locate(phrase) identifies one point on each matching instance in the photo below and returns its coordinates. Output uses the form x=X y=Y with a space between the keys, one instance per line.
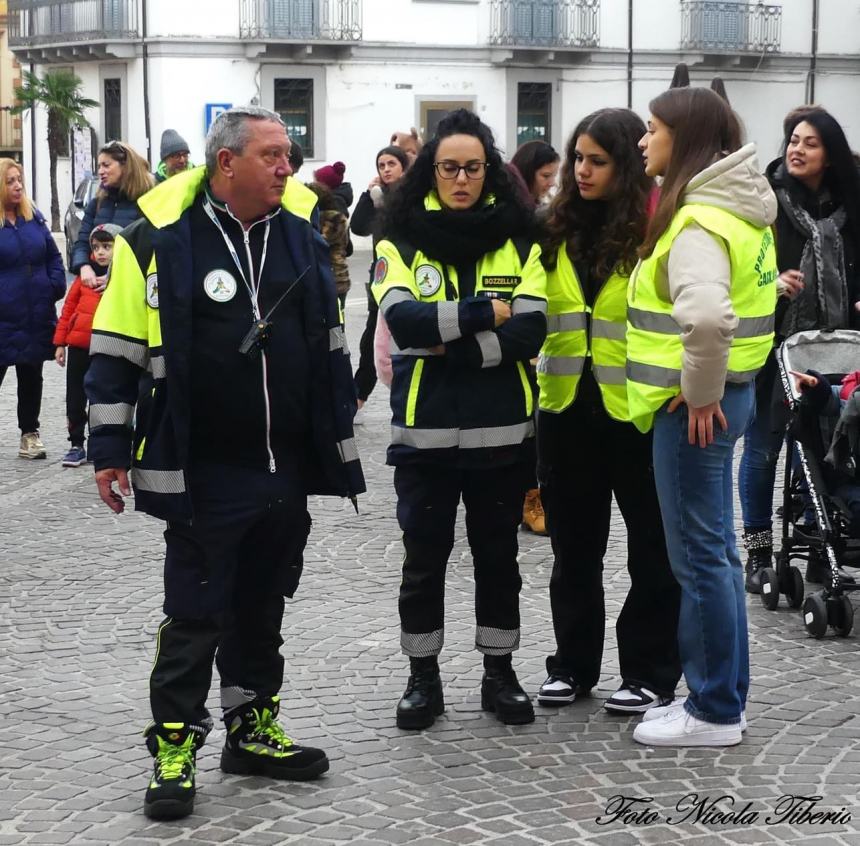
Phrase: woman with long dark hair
x=124 y=176
x=538 y=163
x=391 y=164
x=817 y=248
x=462 y=289
x=700 y=326
x=587 y=448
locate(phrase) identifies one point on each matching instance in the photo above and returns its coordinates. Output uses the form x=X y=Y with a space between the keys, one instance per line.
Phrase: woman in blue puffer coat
x=32 y=279
x=125 y=177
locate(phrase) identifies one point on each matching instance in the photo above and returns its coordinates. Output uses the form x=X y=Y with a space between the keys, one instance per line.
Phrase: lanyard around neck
x=253 y=287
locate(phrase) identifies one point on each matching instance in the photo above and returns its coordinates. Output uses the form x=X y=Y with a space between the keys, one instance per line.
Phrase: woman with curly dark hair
x=587 y=448
x=461 y=286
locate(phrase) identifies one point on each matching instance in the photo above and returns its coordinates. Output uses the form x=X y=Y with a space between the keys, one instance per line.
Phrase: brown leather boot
x=534 y=519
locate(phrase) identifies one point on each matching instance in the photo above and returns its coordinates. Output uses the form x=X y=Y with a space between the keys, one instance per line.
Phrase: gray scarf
x=823 y=302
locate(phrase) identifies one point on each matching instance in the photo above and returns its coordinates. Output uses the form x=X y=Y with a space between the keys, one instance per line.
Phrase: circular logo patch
x=428 y=279
x=220 y=286
x=152 y=290
x=380 y=270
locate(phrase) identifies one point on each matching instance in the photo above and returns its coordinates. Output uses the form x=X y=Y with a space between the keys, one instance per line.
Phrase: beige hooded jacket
x=696 y=275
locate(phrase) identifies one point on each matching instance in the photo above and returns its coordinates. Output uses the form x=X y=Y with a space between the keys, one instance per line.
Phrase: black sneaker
x=632 y=699
x=257 y=745
x=558 y=689
x=501 y=694
x=170 y=794
x=422 y=701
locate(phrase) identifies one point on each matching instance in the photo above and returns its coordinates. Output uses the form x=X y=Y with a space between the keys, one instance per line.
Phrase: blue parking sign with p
x=212 y=112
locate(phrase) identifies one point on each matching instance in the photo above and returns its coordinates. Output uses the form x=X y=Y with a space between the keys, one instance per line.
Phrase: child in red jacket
x=74 y=330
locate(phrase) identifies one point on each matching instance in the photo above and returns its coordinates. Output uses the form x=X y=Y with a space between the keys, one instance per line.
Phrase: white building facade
x=345 y=74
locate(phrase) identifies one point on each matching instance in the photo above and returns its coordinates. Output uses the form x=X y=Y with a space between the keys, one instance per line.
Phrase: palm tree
x=59 y=92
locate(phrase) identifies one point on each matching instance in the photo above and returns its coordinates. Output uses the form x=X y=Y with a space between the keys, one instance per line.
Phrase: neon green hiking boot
x=170 y=794
x=257 y=745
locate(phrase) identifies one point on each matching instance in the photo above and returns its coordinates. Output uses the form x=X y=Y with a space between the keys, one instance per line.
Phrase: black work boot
x=501 y=692
x=170 y=794
x=422 y=700
x=257 y=745
x=759 y=545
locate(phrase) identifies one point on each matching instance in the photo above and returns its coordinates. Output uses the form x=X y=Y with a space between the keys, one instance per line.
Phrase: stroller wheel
x=843 y=611
x=769 y=588
x=815 y=615
x=795 y=591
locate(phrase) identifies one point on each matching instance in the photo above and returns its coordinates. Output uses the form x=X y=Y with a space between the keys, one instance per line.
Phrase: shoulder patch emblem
x=380 y=270
x=152 y=290
x=220 y=285
x=428 y=279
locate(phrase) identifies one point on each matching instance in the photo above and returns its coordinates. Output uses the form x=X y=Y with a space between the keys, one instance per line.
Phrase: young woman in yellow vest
x=587 y=448
x=700 y=326
x=463 y=291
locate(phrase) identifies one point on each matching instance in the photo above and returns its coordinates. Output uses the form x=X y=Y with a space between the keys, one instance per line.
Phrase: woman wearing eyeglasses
x=124 y=176
x=462 y=289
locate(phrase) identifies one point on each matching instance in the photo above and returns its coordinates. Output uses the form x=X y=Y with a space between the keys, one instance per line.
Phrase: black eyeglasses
x=451 y=170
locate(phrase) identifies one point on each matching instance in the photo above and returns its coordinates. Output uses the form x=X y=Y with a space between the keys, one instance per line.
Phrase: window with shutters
x=534 y=101
x=294 y=18
x=294 y=102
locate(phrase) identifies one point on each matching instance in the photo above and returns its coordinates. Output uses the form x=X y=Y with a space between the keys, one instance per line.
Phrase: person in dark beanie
x=332 y=177
x=174 y=155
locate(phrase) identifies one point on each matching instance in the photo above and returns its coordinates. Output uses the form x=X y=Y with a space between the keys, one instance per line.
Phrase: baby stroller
x=832 y=353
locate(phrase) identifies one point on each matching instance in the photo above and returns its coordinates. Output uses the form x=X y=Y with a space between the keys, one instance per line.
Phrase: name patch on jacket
x=500 y=281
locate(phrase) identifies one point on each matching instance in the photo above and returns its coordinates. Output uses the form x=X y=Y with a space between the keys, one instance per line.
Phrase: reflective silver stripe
x=491 y=349
x=490 y=641
x=741 y=376
x=336 y=339
x=652 y=321
x=134 y=351
x=490 y=436
x=560 y=365
x=651 y=374
x=395 y=295
x=608 y=375
x=570 y=321
x=111 y=414
x=608 y=329
x=395 y=350
x=523 y=305
x=158 y=367
x=348 y=450
x=751 y=327
x=159 y=481
x=421 y=644
x=448 y=319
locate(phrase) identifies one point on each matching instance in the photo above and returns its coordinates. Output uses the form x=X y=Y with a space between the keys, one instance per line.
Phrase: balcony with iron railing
x=545 y=23
x=41 y=23
x=301 y=20
x=730 y=27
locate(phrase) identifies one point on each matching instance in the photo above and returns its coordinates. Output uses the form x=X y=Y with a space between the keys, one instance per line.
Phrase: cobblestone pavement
x=79 y=606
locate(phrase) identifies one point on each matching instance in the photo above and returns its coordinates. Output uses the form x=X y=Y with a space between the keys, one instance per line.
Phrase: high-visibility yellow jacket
x=576 y=331
x=654 y=346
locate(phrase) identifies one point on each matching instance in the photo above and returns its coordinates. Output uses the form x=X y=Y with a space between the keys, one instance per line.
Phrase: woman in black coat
x=124 y=177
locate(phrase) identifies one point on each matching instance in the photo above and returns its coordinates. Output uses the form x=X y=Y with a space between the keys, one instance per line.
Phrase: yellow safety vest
x=654 y=346
x=570 y=340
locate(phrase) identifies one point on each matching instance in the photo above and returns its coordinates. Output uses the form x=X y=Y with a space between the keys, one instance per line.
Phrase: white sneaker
x=678 y=728
x=678 y=705
x=31 y=446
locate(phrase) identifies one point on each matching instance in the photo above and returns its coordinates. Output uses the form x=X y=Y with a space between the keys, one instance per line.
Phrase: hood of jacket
x=737 y=185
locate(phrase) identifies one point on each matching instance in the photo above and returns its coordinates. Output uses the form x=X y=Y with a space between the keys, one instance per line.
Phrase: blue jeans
x=757 y=475
x=694 y=486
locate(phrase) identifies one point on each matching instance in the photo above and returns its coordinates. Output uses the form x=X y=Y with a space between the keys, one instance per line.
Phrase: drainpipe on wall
x=146 y=124
x=813 y=59
x=629 y=54
x=32 y=186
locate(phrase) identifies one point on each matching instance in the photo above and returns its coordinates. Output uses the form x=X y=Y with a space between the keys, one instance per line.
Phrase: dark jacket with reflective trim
x=473 y=405
x=144 y=322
